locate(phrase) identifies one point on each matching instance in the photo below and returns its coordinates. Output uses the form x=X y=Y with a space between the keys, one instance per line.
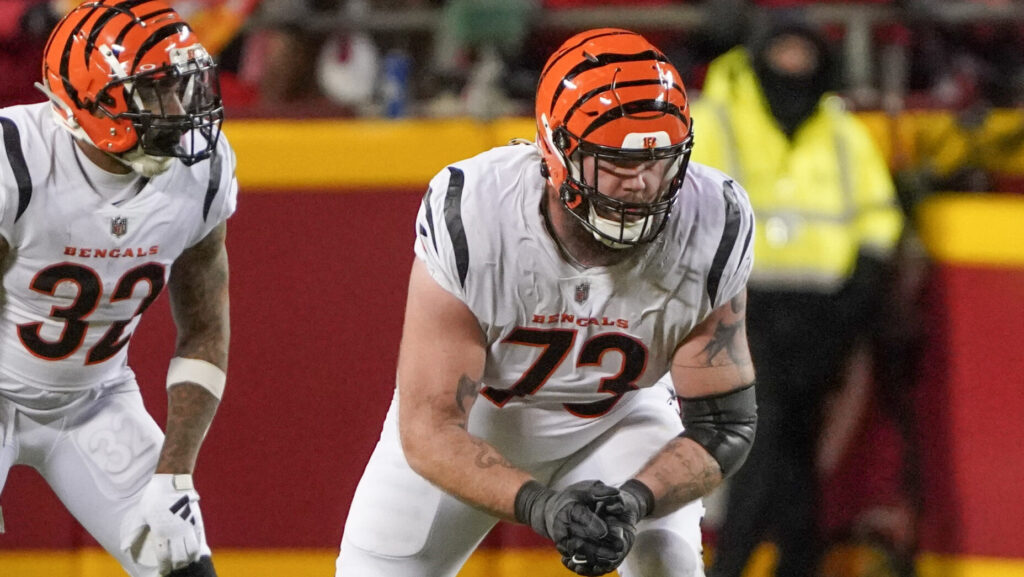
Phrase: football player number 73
x=75 y=315
x=555 y=344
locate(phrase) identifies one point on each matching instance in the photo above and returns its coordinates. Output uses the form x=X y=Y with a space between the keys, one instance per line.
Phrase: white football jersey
x=82 y=269
x=563 y=338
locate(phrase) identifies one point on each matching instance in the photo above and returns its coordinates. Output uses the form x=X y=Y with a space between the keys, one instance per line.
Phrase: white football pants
x=97 y=449
x=400 y=524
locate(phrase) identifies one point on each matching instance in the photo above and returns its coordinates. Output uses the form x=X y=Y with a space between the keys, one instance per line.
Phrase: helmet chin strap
x=142 y=163
x=629 y=231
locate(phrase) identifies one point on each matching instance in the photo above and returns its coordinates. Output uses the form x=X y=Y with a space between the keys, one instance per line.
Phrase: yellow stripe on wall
x=347 y=153
x=484 y=563
x=974 y=229
x=947 y=566
x=309 y=154
x=230 y=562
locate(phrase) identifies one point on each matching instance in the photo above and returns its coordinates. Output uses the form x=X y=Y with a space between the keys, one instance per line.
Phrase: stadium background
x=320 y=250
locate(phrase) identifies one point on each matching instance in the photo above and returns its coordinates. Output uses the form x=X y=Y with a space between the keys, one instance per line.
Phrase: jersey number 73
x=555 y=344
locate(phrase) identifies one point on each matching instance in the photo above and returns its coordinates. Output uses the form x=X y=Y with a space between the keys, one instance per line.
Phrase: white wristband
x=182 y=482
x=202 y=373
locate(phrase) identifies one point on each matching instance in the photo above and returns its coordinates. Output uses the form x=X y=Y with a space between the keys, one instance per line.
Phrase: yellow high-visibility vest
x=819 y=198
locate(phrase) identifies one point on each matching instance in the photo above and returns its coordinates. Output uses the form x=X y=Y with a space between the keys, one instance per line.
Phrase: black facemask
x=794 y=98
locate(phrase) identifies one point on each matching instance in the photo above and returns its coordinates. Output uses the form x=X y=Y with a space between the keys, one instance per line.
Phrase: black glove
x=635 y=502
x=588 y=556
x=560 y=515
x=571 y=518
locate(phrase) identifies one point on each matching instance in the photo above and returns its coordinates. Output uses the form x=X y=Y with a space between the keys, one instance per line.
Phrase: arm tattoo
x=199 y=305
x=703 y=482
x=190 y=410
x=700 y=478
x=724 y=339
x=487 y=456
x=467 y=389
x=199 y=300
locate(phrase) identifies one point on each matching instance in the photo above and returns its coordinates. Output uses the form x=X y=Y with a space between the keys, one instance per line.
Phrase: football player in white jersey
x=554 y=283
x=119 y=185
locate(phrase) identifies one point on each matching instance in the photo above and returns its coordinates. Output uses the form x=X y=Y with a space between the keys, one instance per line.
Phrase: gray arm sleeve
x=723 y=424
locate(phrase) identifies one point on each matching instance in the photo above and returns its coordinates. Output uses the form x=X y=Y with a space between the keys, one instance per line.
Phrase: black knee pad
x=201 y=568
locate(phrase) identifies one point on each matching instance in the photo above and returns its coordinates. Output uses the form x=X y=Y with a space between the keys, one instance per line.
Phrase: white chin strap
x=144 y=164
x=631 y=231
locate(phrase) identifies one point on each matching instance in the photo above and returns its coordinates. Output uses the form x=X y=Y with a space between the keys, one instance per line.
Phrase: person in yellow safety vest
x=827 y=223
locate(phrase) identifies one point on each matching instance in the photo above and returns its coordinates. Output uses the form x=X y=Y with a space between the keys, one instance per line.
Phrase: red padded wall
x=972 y=400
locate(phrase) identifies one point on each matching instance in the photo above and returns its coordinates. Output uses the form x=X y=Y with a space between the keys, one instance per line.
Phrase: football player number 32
x=75 y=315
x=555 y=345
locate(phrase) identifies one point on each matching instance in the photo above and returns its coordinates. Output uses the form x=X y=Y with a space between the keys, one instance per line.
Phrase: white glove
x=165 y=529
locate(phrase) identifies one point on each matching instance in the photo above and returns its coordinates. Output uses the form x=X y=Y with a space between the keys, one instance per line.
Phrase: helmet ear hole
x=544 y=171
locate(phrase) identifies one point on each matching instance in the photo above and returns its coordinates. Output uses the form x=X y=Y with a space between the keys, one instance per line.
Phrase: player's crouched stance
x=553 y=285
x=119 y=185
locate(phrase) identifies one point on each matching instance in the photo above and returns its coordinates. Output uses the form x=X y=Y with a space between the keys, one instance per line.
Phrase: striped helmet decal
x=101 y=18
x=601 y=76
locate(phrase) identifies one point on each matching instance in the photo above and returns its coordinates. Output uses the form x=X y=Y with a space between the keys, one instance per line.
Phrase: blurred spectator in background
x=303 y=66
x=958 y=64
x=542 y=39
x=283 y=57
x=348 y=65
x=476 y=55
x=970 y=69
x=827 y=224
x=217 y=22
x=24 y=27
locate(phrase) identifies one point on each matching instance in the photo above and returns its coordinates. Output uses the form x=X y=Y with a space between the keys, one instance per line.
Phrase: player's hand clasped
x=166 y=523
x=593 y=525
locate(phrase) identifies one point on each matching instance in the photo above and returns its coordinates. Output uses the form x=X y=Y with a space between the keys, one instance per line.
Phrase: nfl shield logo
x=119 y=226
x=582 y=292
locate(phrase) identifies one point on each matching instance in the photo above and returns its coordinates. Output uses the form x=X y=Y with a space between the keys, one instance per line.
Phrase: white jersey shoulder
x=549 y=324
x=81 y=270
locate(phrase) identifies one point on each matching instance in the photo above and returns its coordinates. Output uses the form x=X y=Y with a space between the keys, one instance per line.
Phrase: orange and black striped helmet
x=611 y=94
x=130 y=75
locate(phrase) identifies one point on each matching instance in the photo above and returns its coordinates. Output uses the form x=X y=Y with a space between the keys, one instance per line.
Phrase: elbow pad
x=723 y=424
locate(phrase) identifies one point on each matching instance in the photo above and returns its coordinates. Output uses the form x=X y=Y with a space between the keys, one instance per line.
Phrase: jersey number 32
x=75 y=315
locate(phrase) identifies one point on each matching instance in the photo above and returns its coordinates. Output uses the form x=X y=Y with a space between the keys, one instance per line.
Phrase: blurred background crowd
x=481 y=58
x=335 y=56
